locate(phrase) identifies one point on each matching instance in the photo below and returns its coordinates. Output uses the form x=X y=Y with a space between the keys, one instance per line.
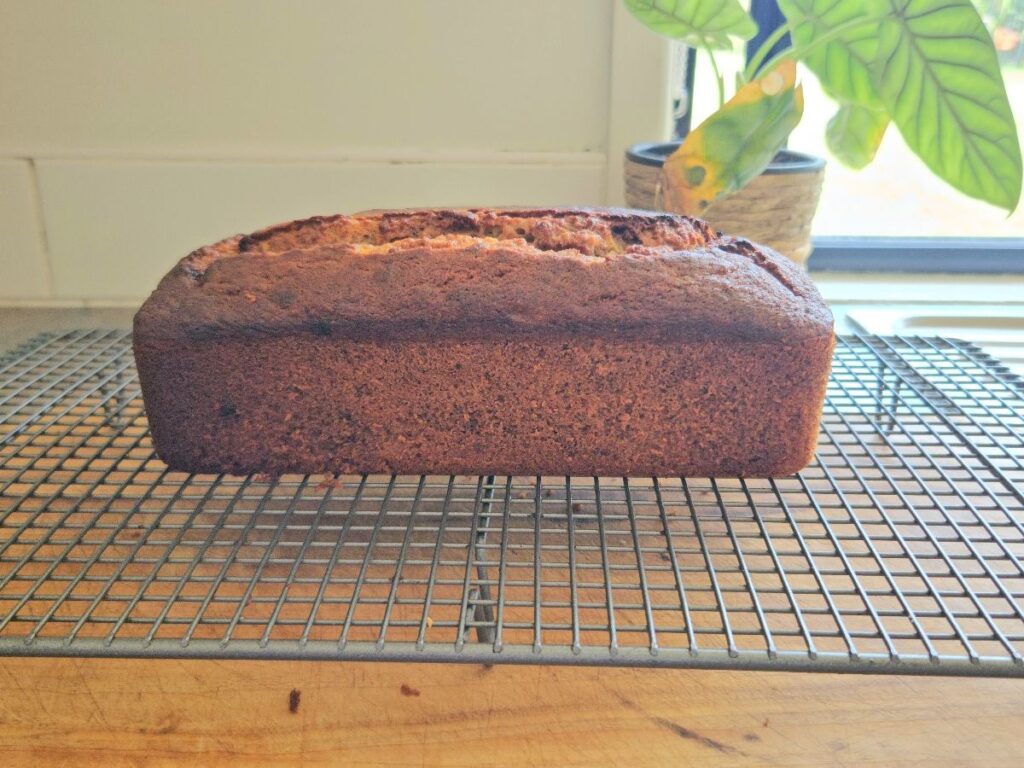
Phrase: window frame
x=949 y=255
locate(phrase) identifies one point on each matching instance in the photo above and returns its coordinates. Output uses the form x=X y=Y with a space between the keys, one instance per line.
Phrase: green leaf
x=698 y=23
x=937 y=75
x=734 y=144
x=854 y=133
x=843 y=63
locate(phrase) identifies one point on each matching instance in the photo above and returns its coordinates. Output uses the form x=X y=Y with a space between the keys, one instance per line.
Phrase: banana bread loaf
x=554 y=341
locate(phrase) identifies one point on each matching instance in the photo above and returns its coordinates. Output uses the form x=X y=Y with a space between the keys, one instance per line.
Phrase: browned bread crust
x=523 y=341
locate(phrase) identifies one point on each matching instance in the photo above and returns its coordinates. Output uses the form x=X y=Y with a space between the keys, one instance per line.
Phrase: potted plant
x=927 y=66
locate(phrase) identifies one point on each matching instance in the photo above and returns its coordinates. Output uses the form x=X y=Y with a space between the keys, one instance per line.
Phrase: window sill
x=985 y=309
x=919 y=288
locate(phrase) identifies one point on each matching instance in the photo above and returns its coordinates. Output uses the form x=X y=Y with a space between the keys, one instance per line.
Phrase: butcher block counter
x=103 y=712
x=114 y=711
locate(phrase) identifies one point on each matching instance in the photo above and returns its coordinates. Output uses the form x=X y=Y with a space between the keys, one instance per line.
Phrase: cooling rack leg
x=886 y=416
x=112 y=393
x=894 y=403
x=483 y=613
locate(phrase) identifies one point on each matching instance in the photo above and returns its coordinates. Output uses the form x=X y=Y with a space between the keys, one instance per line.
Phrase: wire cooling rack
x=899 y=549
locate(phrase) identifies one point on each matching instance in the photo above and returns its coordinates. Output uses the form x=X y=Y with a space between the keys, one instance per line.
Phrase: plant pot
x=775 y=209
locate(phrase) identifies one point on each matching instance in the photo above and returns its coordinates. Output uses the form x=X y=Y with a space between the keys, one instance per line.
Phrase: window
x=897 y=196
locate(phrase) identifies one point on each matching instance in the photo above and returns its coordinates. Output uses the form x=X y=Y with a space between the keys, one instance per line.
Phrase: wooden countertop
x=86 y=712
x=142 y=712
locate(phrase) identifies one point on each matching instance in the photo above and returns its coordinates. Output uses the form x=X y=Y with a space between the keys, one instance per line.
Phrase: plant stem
x=718 y=74
x=762 y=52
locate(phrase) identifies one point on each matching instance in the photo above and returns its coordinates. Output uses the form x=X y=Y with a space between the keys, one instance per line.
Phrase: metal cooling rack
x=898 y=550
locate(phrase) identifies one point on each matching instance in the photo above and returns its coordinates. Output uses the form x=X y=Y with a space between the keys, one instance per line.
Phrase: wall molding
x=639 y=96
x=343 y=155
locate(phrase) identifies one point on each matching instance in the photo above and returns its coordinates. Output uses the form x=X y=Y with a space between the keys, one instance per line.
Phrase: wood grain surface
x=85 y=712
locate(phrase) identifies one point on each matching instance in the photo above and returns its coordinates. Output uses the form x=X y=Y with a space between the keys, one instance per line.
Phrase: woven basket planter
x=775 y=209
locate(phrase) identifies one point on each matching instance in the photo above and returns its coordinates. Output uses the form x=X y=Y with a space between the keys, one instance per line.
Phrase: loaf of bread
x=527 y=341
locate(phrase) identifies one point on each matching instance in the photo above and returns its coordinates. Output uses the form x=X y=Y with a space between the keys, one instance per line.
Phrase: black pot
x=786 y=161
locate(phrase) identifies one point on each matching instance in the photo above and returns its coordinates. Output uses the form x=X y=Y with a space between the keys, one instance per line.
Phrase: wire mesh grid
x=898 y=549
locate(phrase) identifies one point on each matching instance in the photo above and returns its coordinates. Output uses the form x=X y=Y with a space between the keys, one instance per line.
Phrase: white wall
x=134 y=130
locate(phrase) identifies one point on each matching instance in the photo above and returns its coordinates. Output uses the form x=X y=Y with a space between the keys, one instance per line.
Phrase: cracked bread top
x=487 y=272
